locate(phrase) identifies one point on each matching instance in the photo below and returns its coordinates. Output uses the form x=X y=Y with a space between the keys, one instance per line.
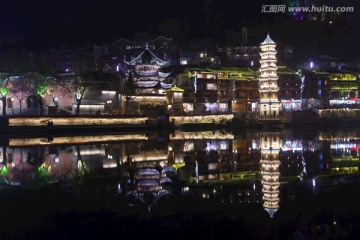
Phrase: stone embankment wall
x=216 y=118
x=73 y=121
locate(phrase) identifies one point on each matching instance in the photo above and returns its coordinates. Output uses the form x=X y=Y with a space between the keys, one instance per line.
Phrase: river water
x=184 y=185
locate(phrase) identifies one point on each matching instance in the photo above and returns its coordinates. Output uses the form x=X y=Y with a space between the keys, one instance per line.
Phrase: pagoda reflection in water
x=270 y=144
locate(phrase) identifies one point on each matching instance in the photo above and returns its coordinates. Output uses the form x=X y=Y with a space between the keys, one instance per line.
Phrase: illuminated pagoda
x=146 y=68
x=268 y=87
x=270 y=147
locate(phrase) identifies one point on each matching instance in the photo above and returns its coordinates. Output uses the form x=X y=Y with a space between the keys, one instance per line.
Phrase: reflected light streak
x=13 y=142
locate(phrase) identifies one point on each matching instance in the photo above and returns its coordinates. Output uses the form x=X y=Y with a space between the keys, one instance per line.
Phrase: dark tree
x=129 y=91
x=14 y=61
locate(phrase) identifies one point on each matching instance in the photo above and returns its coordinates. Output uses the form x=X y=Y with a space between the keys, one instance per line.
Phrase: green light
x=4 y=171
x=41 y=88
x=4 y=91
x=178 y=165
x=40 y=85
x=292 y=3
x=42 y=172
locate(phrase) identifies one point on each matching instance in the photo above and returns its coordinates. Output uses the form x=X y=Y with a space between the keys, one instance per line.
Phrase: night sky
x=47 y=23
x=101 y=20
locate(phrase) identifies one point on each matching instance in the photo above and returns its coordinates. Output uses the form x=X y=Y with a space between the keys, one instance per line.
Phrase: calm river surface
x=182 y=185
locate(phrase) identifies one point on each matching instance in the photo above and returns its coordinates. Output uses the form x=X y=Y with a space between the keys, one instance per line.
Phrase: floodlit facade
x=150 y=82
x=201 y=82
x=219 y=90
x=268 y=86
x=146 y=68
x=291 y=86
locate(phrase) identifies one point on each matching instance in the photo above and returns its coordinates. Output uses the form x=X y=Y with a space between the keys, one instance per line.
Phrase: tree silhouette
x=4 y=90
x=112 y=82
x=38 y=83
x=21 y=88
x=42 y=75
x=84 y=80
x=129 y=91
x=14 y=61
x=41 y=84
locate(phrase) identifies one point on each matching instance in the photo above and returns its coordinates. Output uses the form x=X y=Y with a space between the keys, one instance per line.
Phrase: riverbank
x=89 y=125
x=82 y=125
x=76 y=125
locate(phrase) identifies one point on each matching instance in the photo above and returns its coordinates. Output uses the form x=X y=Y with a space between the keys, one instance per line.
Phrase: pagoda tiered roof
x=150 y=72
x=147 y=70
x=153 y=84
x=147 y=57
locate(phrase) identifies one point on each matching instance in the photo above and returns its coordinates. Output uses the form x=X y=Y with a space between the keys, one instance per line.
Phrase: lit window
x=183 y=62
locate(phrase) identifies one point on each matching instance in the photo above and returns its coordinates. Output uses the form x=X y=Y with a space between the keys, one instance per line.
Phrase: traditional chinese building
x=331 y=89
x=148 y=77
x=344 y=88
x=217 y=90
x=149 y=80
x=291 y=86
x=67 y=58
x=315 y=93
x=110 y=56
x=268 y=81
x=240 y=56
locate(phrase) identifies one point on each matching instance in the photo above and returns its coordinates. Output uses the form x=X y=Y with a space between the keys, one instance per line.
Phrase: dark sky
x=45 y=23
x=36 y=19
x=99 y=20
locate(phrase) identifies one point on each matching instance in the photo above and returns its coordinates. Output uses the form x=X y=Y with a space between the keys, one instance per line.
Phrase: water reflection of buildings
x=149 y=185
x=292 y=158
x=343 y=151
x=36 y=165
x=216 y=163
x=202 y=154
x=31 y=161
x=270 y=144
